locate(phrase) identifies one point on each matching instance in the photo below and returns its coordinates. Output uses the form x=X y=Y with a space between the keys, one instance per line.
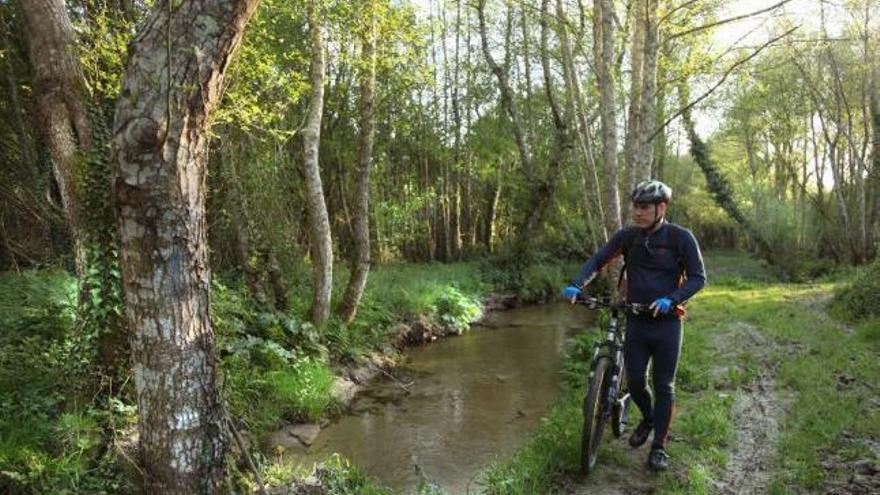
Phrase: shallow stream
x=457 y=404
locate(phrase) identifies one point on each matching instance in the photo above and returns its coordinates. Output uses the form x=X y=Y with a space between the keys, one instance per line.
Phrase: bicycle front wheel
x=594 y=414
x=620 y=411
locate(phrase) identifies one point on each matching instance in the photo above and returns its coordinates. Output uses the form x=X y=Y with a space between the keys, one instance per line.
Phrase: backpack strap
x=676 y=243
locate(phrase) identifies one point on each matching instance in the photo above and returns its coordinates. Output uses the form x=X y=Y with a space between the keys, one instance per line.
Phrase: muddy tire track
x=757 y=411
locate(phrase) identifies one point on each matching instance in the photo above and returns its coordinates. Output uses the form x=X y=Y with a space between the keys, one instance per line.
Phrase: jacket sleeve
x=696 y=272
x=602 y=257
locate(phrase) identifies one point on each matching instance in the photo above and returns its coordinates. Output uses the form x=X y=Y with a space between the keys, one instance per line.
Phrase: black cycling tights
x=660 y=341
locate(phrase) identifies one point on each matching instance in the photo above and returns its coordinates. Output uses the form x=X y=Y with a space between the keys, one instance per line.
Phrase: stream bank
x=449 y=408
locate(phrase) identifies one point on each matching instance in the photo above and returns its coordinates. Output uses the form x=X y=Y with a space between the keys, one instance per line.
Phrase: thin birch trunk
x=319 y=222
x=645 y=150
x=360 y=266
x=603 y=50
x=634 y=116
x=508 y=103
x=582 y=132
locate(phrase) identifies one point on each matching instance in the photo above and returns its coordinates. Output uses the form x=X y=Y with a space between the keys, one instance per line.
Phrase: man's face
x=645 y=213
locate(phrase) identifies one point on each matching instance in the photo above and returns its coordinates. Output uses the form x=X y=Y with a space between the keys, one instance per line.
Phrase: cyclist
x=663 y=267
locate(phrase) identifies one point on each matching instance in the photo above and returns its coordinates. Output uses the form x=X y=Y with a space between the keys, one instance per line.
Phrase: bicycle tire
x=620 y=412
x=594 y=422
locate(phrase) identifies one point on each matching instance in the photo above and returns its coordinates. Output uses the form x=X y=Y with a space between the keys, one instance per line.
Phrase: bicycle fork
x=615 y=353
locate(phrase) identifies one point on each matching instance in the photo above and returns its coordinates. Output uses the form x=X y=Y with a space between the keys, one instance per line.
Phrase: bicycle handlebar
x=594 y=302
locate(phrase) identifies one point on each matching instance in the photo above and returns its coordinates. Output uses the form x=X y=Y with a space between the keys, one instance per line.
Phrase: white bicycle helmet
x=651 y=191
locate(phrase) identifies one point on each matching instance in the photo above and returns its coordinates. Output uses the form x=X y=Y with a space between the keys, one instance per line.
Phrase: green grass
x=49 y=433
x=812 y=352
x=555 y=449
x=276 y=368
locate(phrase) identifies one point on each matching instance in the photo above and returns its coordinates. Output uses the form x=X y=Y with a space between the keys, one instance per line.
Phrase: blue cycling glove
x=662 y=305
x=571 y=292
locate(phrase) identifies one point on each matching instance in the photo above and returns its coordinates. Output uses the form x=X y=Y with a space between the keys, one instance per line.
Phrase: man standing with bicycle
x=664 y=268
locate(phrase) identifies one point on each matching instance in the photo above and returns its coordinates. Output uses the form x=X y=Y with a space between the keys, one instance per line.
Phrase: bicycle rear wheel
x=594 y=414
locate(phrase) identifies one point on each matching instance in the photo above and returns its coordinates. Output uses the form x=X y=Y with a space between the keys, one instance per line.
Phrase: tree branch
x=720 y=82
x=725 y=21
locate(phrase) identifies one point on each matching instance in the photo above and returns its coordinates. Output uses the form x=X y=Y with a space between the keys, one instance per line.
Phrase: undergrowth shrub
x=457 y=310
x=860 y=298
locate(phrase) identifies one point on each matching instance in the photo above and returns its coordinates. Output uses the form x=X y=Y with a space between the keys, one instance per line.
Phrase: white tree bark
x=173 y=82
x=636 y=111
x=603 y=51
x=319 y=222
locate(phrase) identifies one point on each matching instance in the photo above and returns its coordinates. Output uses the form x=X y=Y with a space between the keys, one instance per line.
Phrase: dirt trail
x=757 y=411
x=619 y=472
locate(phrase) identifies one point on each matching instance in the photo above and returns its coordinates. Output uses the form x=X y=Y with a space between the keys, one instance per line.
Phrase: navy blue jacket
x=652 y=263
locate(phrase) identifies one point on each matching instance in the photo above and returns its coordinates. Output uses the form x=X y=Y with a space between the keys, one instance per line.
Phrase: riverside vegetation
x=825 y=371
x=278 y=368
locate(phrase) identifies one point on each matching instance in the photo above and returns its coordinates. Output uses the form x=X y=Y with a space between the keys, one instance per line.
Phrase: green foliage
x=103 y=48
x=49 y=434
x=37 y=312
x=339 y=477
x=576 y=366
x=457 y=310
x=370 y=331
x=272 y=385
x=410 y=289
x=709 y=423
x=304 y=389
x=860 y=298
x=538 y=281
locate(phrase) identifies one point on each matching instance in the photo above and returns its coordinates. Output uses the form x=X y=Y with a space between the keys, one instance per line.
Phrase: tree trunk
x=76 y=136
x=494 y=198
x=719 y=186
x=159 y=151
x=527 y=72
x=508 y=103
x=636 y=86
x=645 y=151
x=544 y=188
x=361 y=221
x=241 y=224
x=61 y=108
x=581 y=127
x=874 y=172
x=603 y=50
x=319 y=222
x=24 y=139
x=457 y=220
x=276 y=278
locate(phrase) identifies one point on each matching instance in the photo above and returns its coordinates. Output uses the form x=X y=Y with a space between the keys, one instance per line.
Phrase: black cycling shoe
x=658 y=460
x=640 y=435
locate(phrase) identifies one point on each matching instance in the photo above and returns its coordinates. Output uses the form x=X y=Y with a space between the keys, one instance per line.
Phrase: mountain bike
x=607 y=393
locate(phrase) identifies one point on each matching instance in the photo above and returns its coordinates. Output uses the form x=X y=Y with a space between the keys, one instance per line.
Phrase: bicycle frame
x=607 y=372
x=611 y=347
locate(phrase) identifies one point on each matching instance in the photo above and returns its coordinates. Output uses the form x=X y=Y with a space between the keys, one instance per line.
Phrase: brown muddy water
x=471 y=399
